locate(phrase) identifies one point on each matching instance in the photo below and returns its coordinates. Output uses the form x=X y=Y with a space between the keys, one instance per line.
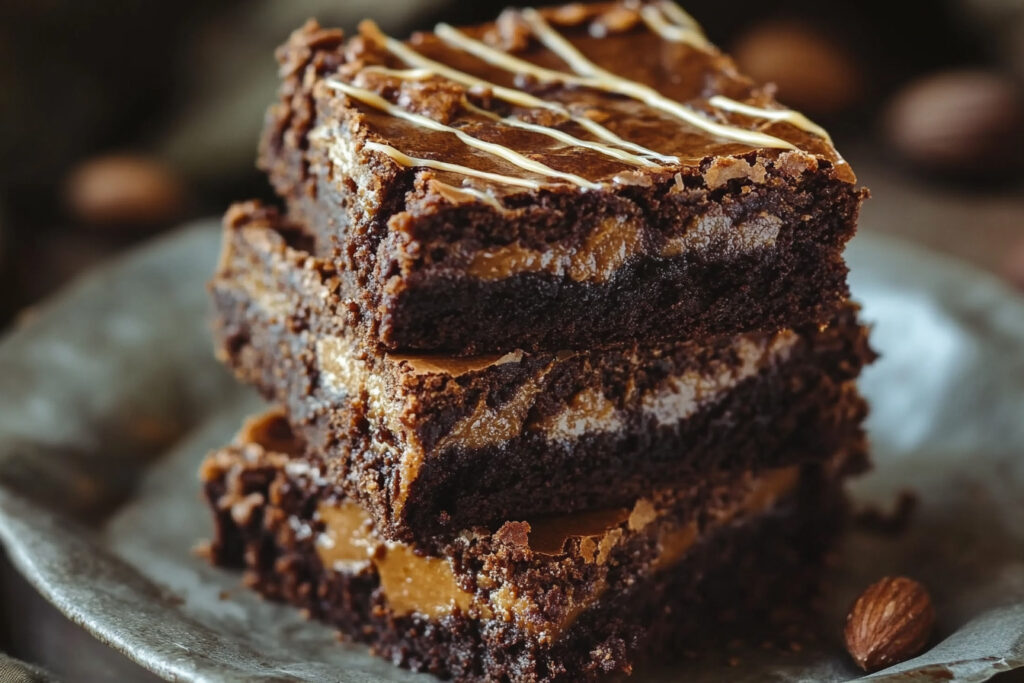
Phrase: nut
x=511 y=33
x=959 y=123
x=889 y=623
x=1013 y=266
x=618 y=19
x=569 y=15
x=124 y=191
x=812 y=73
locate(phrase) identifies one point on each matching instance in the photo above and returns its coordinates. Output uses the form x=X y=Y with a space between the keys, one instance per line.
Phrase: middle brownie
x=433 y=444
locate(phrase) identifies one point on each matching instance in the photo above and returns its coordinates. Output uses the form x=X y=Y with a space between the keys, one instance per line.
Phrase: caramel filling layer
x=345 y=373
x=602 y=253
x=451 y=365
x=588 y=412
x=616 y=241
x=417 y=584
x=411 y=582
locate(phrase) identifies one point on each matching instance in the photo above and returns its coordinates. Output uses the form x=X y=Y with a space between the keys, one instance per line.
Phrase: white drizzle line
x=410 y=161
x=614 y=84
x=683 y=20
x=687 y=33
x=557 y=43
x=680 y=17
x=404 y=74
x=472 y=192
x=609 y=81
x=510 y=95
x=374 y=100
x=790 y=116
x=503 y=60
x=561 y=136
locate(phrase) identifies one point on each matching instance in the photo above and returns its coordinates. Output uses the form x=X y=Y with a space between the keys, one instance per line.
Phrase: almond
x=618 y=19
x=889 y=623
x=569 y=15
x=812 y=72
x=124 y=190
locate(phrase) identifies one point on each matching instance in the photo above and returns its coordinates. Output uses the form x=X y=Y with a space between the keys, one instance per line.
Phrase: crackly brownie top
x=580 y=96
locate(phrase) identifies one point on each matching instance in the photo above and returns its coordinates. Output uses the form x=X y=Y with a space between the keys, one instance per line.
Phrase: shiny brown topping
x=453 y=366
x=561 y=106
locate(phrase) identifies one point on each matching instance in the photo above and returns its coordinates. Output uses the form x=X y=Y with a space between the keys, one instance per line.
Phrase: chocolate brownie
x=560 y=598
x=431 y=443
x=558 y=179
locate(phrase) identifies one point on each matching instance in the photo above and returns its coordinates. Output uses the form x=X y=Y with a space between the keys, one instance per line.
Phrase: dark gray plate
x=111 y=397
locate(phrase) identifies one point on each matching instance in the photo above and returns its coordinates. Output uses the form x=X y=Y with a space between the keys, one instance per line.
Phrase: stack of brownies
x=557 y=322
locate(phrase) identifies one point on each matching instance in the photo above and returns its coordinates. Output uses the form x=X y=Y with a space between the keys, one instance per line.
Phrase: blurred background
x=121 y=119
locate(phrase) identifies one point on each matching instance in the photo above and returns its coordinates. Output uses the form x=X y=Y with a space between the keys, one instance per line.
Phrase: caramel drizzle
x=374 y=100
x=427 y=67
x=590 y=75
x=413 y=162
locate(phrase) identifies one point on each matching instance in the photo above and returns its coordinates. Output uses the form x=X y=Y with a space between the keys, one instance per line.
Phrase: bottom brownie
x=568 y=598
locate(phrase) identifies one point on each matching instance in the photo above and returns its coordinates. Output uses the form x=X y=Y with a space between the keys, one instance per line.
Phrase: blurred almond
x=959 y=123
x=813 y=73
x=1013 y=267
x=124 y=191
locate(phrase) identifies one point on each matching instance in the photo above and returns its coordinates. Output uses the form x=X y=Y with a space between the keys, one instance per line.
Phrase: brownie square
x=558 y=179
x=570 y=598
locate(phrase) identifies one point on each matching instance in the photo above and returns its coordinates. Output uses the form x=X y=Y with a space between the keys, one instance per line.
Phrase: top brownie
x=560 y=178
